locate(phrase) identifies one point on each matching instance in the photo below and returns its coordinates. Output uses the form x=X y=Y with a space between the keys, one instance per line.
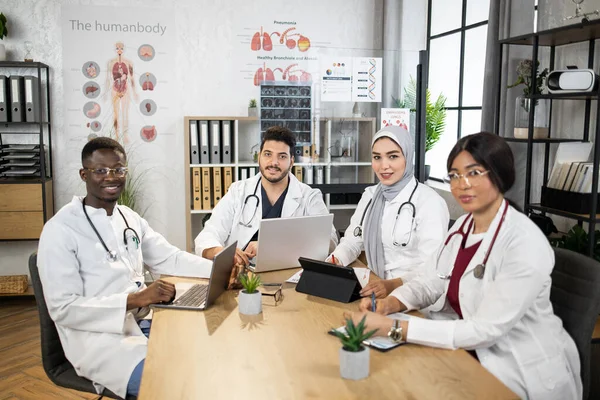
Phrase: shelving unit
x=26 y=202
x=347 y=174
x=582 y=32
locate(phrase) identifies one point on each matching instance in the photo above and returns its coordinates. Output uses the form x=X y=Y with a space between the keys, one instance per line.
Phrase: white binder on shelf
x=244 y=173
x=4 y=99
x=226 y=139
x=203 y=143
x=318 y=178
x=194 y=148
x=308 y=175
x=16 y=99
x=215 y=142
x=32 y=99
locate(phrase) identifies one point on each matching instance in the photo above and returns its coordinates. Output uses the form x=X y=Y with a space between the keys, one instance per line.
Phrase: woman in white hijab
x=399 y=223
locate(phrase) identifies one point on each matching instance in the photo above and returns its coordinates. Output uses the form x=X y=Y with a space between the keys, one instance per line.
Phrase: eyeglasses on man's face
x=472 y=178
x=118 y=172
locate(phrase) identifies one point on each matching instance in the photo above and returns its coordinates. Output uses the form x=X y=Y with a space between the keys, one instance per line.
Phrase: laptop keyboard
x=193 y=297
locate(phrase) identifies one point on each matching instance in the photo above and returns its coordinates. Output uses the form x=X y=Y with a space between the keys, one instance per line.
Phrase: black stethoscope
x=111 y=255
x=248 y=224
x=479 y=270
x=358 y=230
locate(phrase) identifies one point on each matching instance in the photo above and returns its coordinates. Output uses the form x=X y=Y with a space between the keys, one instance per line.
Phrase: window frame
x=463 y=31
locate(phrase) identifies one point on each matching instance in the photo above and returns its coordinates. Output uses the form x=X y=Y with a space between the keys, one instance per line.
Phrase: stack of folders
x=19 y=99
x=247 y=172
x=211 y=142
x=310 y=175
x=209 y=185
x=572 y=172
x=19 y=160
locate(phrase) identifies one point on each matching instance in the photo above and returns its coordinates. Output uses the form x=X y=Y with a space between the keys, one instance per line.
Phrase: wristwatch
x=395 y=332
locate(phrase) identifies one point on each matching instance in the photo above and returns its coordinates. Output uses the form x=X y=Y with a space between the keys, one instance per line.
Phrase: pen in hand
x=373 y=302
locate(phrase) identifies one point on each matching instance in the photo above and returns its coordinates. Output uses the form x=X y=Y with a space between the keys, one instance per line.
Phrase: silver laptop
x=201 y=296
x=281 y=241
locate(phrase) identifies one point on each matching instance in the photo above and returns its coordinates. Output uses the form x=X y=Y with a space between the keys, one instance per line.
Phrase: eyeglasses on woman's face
x=472 y=178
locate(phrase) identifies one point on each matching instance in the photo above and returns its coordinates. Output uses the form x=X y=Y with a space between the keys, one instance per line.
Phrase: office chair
x=57 y=367
x=575 y=297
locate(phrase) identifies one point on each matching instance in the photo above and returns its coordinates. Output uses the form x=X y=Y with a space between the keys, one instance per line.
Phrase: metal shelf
x=568 y=96
x=548 y=140
x=567 y=214
x=559 y=36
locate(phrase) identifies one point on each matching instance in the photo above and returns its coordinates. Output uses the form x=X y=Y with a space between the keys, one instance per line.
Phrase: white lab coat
x=223 y=227
x=86 y=294
x=427 y=236
x=508 y=316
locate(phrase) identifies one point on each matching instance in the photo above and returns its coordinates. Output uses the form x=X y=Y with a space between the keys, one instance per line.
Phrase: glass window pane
x=438 y=155
x=446 y=15
x=471 y=122
x=475 y=45
x=477 y=11
x=444 y=67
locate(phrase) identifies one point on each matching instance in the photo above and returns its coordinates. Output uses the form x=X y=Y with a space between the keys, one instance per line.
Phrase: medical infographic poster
x=395 y=117
x=117 y=73
x=366 y=79
x=336 y=78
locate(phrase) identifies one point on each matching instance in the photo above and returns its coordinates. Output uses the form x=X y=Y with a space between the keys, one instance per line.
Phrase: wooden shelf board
x=29 y=292
x=222 y=118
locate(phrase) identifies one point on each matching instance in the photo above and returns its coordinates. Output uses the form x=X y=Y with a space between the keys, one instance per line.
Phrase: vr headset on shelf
x=572 y=80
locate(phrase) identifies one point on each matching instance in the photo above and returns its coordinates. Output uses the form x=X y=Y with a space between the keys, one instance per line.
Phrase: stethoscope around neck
x=248 y=223
x=111 y=255
x=358 y=230
x=479 y=270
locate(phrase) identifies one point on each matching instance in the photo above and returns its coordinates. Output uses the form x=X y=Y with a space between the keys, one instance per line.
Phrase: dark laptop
x=201 y=296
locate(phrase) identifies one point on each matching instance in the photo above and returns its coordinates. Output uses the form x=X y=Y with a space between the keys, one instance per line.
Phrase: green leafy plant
x=577 y=239
x=252 y=103
x=249 y=282
x=435 y=112
x=132 y=192
x=524 y=77
x=3 y=29
x=355 y=335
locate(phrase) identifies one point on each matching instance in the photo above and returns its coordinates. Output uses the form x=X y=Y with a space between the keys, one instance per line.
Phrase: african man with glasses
x=90 y=258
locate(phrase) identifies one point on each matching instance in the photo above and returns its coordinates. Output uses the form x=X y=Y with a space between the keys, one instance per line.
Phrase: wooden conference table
x=286 y=353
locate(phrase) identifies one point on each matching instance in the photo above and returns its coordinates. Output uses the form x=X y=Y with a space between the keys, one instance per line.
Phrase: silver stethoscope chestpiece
x=479 y=271
x=111 y=256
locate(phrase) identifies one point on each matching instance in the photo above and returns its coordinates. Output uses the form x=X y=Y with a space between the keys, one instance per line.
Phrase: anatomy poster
x=336 y=78
x=366 y=82
x=117 y=73
x=279 y=50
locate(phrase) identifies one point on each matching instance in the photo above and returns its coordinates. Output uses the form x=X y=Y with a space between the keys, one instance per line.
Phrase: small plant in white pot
x=250 y=299
x=354 y=356
x=252 y=110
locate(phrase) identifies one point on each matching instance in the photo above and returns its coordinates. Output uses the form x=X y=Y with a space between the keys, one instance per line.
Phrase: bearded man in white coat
x=91 y=256
x=274 y=193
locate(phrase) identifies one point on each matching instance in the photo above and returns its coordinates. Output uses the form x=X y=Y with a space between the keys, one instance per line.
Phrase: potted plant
x=435 y=115
x=252 y=110
x=523 y=102
x=577 y=240
x=354 y=356
x=3 y=33
x=250 y=299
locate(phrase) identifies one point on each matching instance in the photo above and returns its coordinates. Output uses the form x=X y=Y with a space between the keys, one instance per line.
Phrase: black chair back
x=575 y=297
x=59 y=370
